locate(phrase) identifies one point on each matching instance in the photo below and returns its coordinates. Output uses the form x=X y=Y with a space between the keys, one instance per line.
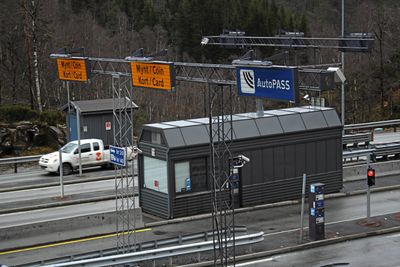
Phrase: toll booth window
x=191 y=176
x=182 y=174
x=96 y=146
x=156 y=138
x=155 y=174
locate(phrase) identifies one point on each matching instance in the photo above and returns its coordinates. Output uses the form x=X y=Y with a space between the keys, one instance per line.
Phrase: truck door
x=86 y=154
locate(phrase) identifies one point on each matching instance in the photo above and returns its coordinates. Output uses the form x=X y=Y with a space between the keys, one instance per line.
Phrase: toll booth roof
x=192 y=132
x=100 y=105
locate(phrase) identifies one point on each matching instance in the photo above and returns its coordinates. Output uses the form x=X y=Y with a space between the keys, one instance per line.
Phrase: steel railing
x=374 y=124
x=18 y=160
x=155 y=244
x=159 y=253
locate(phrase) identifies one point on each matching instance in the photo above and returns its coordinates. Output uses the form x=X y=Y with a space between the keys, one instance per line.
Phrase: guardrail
x=368 y=125
x=154 y=254
x=175 y=241
x=385 y=151
x=145 y=251
x=19 y=160
x=356 y=139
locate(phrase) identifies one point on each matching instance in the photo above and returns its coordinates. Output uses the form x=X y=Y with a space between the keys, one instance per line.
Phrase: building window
x=155 y=174
x=182 y=173
x=191 y=176
x=156 y=138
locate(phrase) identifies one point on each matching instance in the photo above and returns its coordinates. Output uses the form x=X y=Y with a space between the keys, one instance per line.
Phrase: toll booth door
x=73 y=133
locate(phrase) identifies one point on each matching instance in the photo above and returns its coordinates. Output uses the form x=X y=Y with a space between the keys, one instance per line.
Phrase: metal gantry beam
x=124 y=176
x=345 y=44
x=309 y=78
x=221 y=134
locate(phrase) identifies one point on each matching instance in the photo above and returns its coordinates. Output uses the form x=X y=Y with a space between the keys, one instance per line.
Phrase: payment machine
x=316 y=212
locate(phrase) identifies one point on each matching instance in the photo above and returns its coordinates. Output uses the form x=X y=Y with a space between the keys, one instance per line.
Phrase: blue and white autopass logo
x=247 y=81
x=279 y=83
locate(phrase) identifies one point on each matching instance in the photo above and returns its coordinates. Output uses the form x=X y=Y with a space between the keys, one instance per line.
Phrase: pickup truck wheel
x=67 y=170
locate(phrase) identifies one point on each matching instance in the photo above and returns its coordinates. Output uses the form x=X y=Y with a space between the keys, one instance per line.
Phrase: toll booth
x=174 y=178
x=96 y=118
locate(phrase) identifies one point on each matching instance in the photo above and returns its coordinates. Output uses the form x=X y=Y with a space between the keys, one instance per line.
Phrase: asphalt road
x=271 y=221
x=54 y=191
x=378 y=251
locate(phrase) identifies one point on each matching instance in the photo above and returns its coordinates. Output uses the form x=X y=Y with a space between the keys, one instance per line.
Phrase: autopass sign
x=279 y=83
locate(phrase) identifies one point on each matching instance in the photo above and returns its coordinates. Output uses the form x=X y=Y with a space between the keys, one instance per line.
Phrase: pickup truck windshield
x=68 y=148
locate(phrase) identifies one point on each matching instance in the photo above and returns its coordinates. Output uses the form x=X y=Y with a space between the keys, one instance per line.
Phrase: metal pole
x=368 y=194
x=61 y=173
x=342 y=97
x=260 y=107
x=78 y=124
x=303 y=196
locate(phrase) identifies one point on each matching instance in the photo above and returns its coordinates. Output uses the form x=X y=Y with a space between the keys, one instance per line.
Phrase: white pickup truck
x=93 y=153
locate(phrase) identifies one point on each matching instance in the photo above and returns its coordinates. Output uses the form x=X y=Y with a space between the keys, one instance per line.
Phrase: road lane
x=378 y=251
x=54 y=191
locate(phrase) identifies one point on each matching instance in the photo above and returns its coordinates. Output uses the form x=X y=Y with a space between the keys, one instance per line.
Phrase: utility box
x=316 y=211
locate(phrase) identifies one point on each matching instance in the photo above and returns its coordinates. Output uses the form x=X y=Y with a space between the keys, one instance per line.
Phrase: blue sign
x=117 y=156
x=278 y=83
x=188 y=184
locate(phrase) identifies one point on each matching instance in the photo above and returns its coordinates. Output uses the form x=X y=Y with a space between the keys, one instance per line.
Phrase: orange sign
x=72 y=69
x=153 y=75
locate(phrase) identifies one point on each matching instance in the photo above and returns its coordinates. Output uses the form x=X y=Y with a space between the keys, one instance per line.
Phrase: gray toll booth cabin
x=96 y=118
x=174 y=178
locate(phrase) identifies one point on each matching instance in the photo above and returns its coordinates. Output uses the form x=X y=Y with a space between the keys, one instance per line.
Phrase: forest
x=30 y=30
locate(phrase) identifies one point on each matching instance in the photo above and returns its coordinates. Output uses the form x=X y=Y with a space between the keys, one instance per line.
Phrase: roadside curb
x=299 y=247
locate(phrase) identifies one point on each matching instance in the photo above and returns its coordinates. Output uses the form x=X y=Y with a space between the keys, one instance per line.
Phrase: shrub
x=52 y=117
x=15 y=113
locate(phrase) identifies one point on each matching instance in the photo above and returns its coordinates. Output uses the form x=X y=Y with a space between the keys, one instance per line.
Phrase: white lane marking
x=393 y=236
x=257 y=261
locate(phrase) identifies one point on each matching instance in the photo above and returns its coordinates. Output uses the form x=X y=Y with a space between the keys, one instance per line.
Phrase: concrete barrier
x=61 y=230
x=359 y=172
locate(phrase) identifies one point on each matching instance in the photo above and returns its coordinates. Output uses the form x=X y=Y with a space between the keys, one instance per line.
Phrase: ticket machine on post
x=316 y=212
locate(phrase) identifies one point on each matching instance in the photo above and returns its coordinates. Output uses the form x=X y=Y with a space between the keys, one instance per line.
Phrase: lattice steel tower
x=221 y=135
x=124 y=176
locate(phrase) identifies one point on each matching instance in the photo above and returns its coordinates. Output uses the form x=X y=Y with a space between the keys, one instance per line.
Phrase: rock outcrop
x=25 y=135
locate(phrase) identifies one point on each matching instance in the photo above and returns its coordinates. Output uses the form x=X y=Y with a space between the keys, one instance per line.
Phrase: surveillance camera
x=204 y=41
x=136 y=150
x=307 y=97
x=244 y=158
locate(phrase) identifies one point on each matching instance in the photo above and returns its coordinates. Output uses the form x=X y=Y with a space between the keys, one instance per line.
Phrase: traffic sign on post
x=73 y=69
x=278 y=83
x=156 y=75
x=117 y=156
